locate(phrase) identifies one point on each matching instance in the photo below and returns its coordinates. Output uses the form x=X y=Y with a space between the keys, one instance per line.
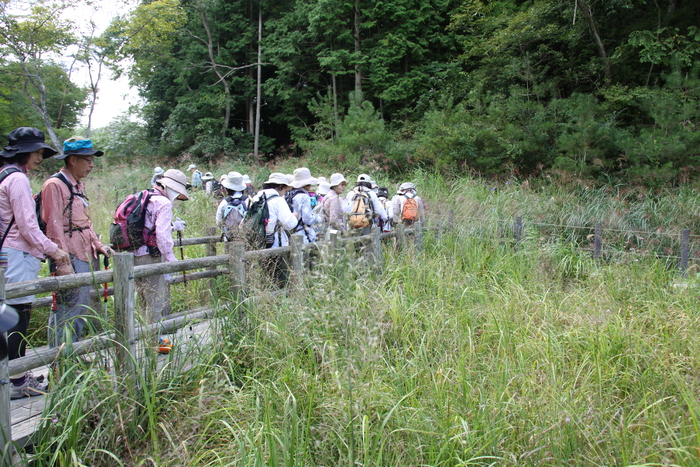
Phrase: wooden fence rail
x=122 y=275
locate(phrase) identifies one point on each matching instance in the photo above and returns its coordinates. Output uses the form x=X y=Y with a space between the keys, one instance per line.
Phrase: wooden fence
x=126 y=332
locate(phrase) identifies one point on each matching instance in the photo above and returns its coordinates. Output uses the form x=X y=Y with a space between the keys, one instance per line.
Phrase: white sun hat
x=234 y=181
x=337 y=179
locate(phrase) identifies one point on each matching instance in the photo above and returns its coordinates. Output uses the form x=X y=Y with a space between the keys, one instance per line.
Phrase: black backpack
x=69 y=205
x=255 y=222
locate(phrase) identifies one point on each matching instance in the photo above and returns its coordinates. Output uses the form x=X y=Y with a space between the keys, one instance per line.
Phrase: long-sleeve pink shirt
x=16 y=199
x=159 y=214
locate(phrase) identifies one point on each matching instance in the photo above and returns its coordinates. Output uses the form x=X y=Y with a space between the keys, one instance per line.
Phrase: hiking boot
x=31 y=387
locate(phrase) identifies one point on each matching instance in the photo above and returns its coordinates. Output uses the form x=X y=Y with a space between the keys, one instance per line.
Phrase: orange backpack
x=410 y=209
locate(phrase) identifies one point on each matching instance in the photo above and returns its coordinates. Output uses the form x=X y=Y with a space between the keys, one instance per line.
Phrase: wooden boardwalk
x=26 y=413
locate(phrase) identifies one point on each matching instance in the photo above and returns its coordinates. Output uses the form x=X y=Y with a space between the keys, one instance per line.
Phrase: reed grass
x=470 y=352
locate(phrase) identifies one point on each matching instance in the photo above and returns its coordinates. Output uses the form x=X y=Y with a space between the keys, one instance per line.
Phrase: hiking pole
x=104 y=295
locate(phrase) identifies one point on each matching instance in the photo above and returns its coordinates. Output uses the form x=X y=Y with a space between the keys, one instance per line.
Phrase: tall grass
x=471 y=352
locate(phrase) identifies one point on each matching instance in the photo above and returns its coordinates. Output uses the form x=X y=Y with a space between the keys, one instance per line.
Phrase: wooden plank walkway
x=26 y=413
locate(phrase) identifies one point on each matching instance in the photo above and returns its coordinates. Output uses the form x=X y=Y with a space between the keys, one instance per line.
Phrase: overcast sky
x=114 y=96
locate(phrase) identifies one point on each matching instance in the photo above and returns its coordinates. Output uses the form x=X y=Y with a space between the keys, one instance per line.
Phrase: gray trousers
x=153 y=292
x=67 y=322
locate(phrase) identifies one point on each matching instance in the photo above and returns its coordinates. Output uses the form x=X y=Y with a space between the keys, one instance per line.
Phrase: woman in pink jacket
x=23 y=245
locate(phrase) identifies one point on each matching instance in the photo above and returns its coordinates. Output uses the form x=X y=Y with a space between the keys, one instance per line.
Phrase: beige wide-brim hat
x=302 y=177
x=364 y=178
x=207 y=176
x=176 y=181
x=323 y=188
x=246 y=179
x=337 y=179
x=234 y=181
x=278 y=179
x=322 y=180
x=407 y=186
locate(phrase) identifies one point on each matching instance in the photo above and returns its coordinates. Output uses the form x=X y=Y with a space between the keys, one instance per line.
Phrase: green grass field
x=471 y=352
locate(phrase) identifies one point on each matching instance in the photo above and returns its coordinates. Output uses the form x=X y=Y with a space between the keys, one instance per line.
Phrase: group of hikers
x=55 y=224
x=300 y=203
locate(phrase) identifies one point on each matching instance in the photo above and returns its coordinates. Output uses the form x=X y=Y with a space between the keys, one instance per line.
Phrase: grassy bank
x=469 y=353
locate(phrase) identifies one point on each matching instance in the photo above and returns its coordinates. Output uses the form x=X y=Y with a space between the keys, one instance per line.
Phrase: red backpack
x=128 y=231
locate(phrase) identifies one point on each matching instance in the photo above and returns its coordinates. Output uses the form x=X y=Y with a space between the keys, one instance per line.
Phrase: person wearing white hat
x=157 y=173
x=208 y=181
x=363 y=189
x=280 y=216
x=404 y=210
x=233 y=207
x=300 y=201
x=152 y=291
x=196 y=176
x=332 y=203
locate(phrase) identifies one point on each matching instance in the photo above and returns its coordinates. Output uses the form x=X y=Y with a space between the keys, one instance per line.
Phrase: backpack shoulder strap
x=3 y=175
x=6 y=172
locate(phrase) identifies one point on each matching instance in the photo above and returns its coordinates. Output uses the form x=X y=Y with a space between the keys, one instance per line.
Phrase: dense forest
x=604 y=89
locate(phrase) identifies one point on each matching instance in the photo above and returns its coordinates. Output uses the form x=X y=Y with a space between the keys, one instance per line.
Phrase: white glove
x=179 y=225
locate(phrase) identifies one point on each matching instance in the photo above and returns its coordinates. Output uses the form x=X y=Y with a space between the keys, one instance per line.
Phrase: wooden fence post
x=377 y=250
x=5 y=412
x=400 y=235
x=685 y=251
x=210 y=250
x=236 y=265
x=598 y=241
x=296 y=258
x=418 y=235
x=123 y=264
x=518 y=231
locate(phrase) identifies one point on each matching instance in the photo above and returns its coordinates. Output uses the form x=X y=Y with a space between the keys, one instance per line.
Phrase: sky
x=114 y=96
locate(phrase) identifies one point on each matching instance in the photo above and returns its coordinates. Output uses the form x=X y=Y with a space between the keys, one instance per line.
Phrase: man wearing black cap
x=65 y=211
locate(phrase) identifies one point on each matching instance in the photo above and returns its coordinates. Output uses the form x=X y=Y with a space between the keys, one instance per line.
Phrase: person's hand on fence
x=64 y=269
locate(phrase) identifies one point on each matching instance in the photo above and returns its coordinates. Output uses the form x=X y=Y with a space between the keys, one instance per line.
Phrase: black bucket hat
x=26 y=139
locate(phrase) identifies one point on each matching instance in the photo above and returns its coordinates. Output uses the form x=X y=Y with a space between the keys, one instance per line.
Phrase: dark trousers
x=16 y=337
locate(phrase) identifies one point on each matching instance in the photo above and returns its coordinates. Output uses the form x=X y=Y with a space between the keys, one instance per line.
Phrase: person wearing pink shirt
x=153 y=298
x=23 y=245
x=65 y=211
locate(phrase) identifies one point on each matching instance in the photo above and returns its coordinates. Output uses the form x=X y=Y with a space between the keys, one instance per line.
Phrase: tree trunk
x=334 y=87
x=215 y=67
x=586 y=11
x=358 y=50
x=259 y=83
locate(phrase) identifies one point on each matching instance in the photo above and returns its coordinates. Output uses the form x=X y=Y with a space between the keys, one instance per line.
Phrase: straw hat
x=176 y=181
x=278 y=179
x=234 y=181
x=337 y=179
